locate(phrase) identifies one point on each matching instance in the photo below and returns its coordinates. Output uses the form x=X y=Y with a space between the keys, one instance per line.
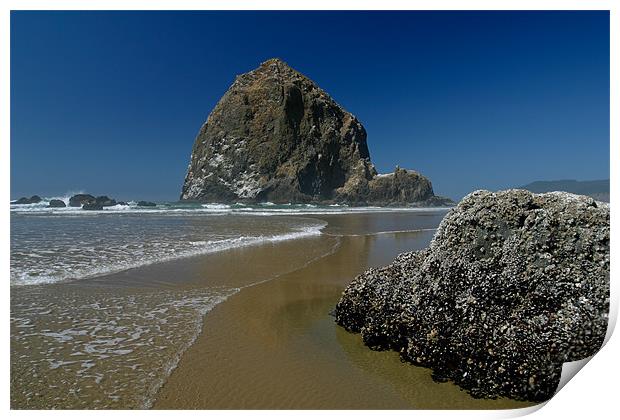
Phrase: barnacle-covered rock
x=513 y=285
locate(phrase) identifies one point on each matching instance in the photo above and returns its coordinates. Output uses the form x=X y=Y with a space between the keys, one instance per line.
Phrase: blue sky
x=110 y=102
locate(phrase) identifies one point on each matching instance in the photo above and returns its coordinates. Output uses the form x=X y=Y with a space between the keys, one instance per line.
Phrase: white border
x=592 y=394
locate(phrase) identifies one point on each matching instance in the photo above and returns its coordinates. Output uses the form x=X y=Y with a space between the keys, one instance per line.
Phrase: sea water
x=77 y=342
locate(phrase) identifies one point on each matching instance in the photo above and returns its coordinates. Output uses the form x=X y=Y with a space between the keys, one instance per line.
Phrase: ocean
x=89 y=329
x=50 y=245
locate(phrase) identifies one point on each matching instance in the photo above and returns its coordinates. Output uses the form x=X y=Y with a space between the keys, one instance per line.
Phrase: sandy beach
x=275 y=345
x=267 y=341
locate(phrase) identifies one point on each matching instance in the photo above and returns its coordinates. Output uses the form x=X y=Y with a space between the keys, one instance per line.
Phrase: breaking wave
x=260 y=209
x=55 y=249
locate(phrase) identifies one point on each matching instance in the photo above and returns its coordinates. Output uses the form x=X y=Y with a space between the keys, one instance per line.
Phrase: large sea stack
x=276 y=136
x=513 y=285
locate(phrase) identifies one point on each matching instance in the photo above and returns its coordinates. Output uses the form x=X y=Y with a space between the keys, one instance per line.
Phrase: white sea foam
x=137 y=337
x=58 y=244
x=216 y=206
x=97 y=247
x=262 y=209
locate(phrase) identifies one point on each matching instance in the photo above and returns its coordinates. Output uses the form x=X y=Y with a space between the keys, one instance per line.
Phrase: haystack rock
x=513 y=285
x=276 y=136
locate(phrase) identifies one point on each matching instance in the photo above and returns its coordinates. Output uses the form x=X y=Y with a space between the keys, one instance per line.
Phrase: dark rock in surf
x=513 y=285
x=56 y=204
x=92 y=206
x=146 y=204
x=79 y=200
x=105 y=201
x=25 y=200
x=277 y=136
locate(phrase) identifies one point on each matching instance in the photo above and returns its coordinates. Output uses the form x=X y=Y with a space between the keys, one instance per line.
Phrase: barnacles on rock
x=513 y=285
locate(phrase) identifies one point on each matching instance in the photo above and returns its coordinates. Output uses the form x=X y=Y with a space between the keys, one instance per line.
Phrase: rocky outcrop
x=401 y=187
x=25 y=200
x=105 y=201
x=92 y=206
x=90 y=202
x=513 y=285
x=56 y=204
x=276 y=136
x=85 y=201
x=79 y=200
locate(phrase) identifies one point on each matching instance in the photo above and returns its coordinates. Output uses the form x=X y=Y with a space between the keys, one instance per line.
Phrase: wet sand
x=111 y=341
x=275 y=346
x=247 y=328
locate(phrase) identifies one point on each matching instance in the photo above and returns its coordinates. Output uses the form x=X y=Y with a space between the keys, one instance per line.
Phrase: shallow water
x=49 y=248
x=111 y=341
x=134 y=337
x=103 y=349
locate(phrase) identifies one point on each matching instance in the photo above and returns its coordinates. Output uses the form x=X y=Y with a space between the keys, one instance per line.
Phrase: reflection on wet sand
x=267 y=340
x=276 y=346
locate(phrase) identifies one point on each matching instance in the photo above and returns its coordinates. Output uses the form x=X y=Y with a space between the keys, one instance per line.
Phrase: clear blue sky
x=110 y=103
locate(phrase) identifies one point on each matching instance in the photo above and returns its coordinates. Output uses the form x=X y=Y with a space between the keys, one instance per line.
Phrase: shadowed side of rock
x=513 y=285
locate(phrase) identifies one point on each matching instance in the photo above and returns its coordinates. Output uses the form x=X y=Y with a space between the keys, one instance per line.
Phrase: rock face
x=276 y=136
x=513 y=285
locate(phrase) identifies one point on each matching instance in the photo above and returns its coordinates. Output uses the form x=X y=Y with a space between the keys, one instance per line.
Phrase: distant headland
x=598 y=189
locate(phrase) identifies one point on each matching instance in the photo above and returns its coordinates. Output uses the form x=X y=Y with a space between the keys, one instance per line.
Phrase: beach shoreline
x=275 y=345
x=266 y=341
